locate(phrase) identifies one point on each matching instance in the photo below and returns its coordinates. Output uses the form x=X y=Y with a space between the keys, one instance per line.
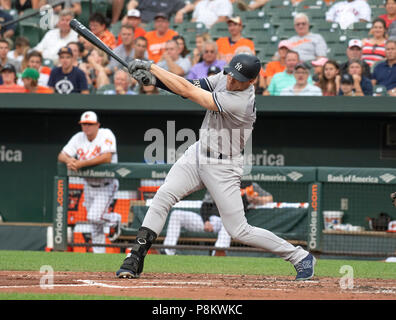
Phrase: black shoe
x=131 y=268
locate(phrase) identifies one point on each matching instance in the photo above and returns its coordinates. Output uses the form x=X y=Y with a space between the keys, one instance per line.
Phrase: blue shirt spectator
x=385 y=72
x=9 y=30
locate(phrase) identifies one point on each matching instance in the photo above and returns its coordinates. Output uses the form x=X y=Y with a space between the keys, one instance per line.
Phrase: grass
x=85 y=262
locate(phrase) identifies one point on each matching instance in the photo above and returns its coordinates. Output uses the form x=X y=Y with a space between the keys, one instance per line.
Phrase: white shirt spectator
x=52 y=42
x=309 y=90
x=209 y=11
x=346 y=13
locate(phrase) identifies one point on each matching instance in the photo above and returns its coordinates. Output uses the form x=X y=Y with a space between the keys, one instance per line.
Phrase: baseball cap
x=9 y=67
x=133 y=13
x=346 y=78
x=284 y=43
x=89 y=117
x=243 y=67
x=65 y=50
x=355 y=43
x=30 y=73
x=319 y=62
x=236 y=20
x=213 y=69
x=302 y=65
x=161 y=15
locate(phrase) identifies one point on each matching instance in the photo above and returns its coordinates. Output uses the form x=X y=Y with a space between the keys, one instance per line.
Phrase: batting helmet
x=243 y=67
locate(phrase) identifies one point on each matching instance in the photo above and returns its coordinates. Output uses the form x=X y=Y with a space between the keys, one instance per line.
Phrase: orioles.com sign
x=59 y=213
x=313 y=218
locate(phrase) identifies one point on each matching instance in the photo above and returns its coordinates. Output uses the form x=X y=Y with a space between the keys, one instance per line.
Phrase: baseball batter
x=215 y=161
x=89 y=147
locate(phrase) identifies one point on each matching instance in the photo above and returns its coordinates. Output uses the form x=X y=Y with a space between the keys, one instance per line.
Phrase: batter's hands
x=140 y=74
x=137 y=64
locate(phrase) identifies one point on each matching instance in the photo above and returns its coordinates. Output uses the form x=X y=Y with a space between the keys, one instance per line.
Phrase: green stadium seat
x=323 y=26
x=89 y=7
x=376 y=3
x=48 y=63
x=116 y=28
x=337 y=52
x=219 y=30
x=311 y=5
x=31 y=31
x=191 y=27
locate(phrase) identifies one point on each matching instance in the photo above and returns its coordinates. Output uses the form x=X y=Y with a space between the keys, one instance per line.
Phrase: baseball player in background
x=215 y=161
x=209 y=218
x=92 y=146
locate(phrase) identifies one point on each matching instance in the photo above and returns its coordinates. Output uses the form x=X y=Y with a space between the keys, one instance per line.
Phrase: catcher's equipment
x=132 y=266
x=147 y=76
x=139 y=64
x=393 y=198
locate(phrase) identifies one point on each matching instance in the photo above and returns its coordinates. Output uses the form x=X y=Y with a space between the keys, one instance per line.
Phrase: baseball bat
x=87 y=34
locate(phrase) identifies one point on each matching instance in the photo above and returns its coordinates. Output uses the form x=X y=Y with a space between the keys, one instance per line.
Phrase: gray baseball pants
x=194 y=171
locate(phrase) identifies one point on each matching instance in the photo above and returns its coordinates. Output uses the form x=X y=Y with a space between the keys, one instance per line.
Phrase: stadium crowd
x=180 y=36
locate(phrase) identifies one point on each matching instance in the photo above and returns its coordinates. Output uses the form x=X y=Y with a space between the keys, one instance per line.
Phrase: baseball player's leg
x=222 y=181
x=223 y=238
x=189 y=220
x=182 y=179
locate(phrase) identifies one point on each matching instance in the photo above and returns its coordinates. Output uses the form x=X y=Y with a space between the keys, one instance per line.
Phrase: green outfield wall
x=289 y=131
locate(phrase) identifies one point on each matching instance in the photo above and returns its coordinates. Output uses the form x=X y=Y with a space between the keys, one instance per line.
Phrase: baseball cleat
x=127 y=274
x=305 y=268
x=131 y=267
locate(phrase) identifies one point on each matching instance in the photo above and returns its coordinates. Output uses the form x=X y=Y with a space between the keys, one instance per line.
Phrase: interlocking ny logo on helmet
x=243 y=67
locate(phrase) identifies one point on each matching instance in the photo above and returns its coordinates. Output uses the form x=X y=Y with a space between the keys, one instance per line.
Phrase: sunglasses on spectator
x=300 y=24
x=209 y=51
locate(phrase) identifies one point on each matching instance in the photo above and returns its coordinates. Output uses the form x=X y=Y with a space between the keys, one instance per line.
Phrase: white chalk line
x=92 y=283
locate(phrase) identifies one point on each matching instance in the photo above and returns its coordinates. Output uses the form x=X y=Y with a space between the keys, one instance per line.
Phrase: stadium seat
x=286 y=30
x=219 y=30
x=191 y=27
x=48 y=63
x=88 y=7
x=311 y=5
x=116 y=28
x=379 y=91
x=323 y=26
x=376 y=3
x=337 y=52
x=31 y=31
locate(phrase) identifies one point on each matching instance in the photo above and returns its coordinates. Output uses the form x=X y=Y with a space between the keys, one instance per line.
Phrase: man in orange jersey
x=159 y=36
x=226 y=45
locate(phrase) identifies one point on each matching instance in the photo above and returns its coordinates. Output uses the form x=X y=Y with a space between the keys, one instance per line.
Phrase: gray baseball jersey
x=227 y=130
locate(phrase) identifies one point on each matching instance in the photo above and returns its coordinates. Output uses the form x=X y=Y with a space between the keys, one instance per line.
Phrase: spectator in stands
x=197 y=54
x=210 y=12
x=329 y=80
x=157 y=38
x=301 y=86
x=148 y=90
x=200 y=70
x=95 y=69
x=77 y=49
x=348 y=12
x=150 y=8
x=140 y=47
x=21 y=47
x=274 y=67
x=181 y=42
x=98 y=26
x=286 y=78
x=67 y=79
x=390 y=15
x=172 y=61
x=253 y=5
x=353 y=52
x=7 y=32
x=318 y=68
x=125 y=50
x=30 y=78
x=385 y=71
x=374 y=48
x=361 y=85
x=310 y=46
x=227 y=45
x=133 y=18
x=87 y=48
x=122 y=84
x=346 y=86
x=23 y=5
x=4 y=59
x=8 y=74
x=209 y=220
x=57 y=38
x=34 y=60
